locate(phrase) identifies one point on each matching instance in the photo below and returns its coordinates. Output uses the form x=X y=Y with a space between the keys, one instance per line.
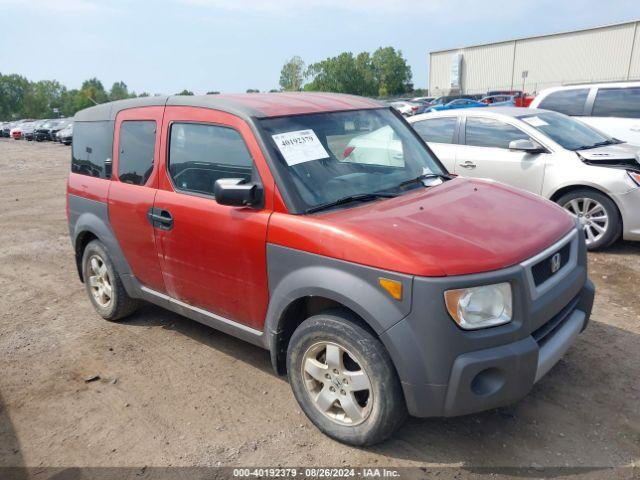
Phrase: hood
x=463 y=226
x=621 y=155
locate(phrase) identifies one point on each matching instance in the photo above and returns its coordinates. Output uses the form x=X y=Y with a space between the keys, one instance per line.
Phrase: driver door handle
x=160 y=218
x=468 y=164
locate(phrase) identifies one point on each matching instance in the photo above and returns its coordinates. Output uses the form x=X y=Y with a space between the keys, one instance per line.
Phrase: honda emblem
x=556 y=261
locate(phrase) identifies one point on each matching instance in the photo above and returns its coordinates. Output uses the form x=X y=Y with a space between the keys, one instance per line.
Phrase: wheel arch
x=559 y=193
x=302 y=284
x=297 y=312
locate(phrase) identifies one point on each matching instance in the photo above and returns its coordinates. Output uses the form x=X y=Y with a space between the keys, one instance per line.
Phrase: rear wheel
x=103 y=284
x=344 y=380
x=598 y=215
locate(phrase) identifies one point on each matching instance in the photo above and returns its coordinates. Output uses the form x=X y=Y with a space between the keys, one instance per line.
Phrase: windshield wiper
x=611 y=141
x=360 y=197
x=425 y=176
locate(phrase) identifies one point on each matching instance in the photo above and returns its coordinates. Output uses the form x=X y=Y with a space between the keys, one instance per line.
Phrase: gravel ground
x=175 y=393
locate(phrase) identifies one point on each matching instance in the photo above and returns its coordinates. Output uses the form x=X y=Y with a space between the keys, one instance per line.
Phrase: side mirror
x=236 y=192
x=528 y=146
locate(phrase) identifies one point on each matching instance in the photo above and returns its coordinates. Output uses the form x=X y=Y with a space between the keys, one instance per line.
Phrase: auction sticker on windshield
x=300 y=146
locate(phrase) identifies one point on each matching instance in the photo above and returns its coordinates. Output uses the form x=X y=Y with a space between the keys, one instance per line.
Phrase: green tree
x=213 y=92
x=292 y=75
x=185 y=92
x=91 y=93
x=253 y=90
x=391 y=71
x=13 y=89
x=42 y=98
x=120 y=91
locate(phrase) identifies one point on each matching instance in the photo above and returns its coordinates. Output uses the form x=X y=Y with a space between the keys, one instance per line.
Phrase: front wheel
x=344 y=380
x=598 y=215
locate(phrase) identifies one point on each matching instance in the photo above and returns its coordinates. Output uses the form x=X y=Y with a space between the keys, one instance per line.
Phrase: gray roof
x=242 y=105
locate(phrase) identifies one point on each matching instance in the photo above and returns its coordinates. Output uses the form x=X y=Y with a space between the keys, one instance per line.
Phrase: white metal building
x=608 y=53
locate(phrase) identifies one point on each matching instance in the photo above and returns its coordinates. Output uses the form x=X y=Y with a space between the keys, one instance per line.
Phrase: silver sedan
x=589 y=173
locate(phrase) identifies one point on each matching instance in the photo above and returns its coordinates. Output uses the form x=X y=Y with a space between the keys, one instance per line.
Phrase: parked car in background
x=380 y=290
x=406 y=108
x=613 y=108
x=589 y=173
x=423 y=100
x=43 y=132
x=16 y=131
x=65 y=135
x=60 y=124
x=456 y=104
x=28 y=129
x=499 y=100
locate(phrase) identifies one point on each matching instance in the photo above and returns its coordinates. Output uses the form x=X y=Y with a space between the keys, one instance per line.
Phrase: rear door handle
x=635 y=128
x=159 y=218
x=468 y=164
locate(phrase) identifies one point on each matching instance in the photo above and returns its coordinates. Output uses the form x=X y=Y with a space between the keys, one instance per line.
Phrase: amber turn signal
x=393 y=287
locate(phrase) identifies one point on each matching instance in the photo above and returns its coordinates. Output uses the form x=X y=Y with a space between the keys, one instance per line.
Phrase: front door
x=213 y=256
x=133 y=188
x=486 y=154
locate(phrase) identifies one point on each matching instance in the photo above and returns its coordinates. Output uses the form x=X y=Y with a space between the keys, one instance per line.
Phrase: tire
x=100 y=275
x=588 y=205
x=361 y=359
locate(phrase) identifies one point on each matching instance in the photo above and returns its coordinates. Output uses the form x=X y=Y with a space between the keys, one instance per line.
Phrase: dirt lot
x=173 y=392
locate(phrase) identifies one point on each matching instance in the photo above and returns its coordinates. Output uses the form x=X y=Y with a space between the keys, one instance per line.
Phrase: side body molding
x=294 y=274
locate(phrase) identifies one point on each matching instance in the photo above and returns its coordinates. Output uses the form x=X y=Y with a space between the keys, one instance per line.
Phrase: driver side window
x=490 y=133
x=200 y=154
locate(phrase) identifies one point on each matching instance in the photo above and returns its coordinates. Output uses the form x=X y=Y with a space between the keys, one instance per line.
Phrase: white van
x=613 y=108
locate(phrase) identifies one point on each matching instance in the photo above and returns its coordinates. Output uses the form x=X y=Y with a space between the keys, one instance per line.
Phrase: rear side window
x=201 y=154
x=617 y=102
x=486 y=132
x=569 y=102
x=135 y=158
x=92 y=148
x=438 y=130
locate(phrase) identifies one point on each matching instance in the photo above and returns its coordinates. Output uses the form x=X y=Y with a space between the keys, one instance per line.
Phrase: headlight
x=635 y=176
x=480 y=307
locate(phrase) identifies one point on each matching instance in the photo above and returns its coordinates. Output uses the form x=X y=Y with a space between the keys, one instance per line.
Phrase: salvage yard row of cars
x=57 y=130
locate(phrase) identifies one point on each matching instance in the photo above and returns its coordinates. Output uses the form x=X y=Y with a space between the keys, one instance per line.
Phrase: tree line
x=21 y=98
x=383 y=73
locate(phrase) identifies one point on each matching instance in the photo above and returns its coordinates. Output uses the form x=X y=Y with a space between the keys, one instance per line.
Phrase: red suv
x=322 y=228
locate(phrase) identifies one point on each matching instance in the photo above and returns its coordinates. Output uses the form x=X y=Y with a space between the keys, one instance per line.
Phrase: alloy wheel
x=592 y=215
x=100 y=281
x=337 y=384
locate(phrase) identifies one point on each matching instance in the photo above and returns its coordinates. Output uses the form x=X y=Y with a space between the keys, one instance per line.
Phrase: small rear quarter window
x=92 y=148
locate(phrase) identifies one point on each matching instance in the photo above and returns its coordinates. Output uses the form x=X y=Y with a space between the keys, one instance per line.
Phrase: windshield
x=569 y=133
x=325 y=157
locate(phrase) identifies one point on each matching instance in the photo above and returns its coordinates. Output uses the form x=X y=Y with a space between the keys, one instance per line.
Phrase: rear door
x=440 y=133
x=213 y=256
x=133 y=188
x=485 y=154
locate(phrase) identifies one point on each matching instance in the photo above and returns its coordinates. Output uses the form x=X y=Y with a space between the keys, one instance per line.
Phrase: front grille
x=543 y=270
x=542 y=333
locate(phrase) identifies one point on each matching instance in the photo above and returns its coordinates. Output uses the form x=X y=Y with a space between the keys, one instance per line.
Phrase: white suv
x=587 y=172
x=613 y=108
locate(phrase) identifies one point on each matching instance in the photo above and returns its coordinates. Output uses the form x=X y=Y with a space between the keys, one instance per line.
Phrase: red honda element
x=322 y=228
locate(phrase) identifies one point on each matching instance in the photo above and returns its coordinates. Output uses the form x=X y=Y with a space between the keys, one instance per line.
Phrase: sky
x=232 y=45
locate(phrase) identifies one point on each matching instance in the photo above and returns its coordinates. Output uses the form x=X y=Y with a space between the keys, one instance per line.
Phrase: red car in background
x=521 y=99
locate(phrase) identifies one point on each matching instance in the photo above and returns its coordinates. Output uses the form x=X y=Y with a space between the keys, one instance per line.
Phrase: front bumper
x=628 y=204
x=446 y=371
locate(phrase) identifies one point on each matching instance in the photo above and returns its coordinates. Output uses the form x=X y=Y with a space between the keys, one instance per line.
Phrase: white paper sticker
x=300 y=146
x=535 y=121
